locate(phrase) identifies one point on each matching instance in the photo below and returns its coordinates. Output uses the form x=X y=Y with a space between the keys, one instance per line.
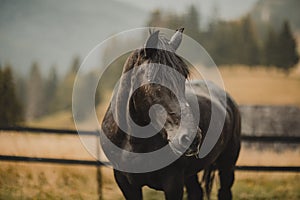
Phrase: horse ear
x=176 y=39
x=151 y=43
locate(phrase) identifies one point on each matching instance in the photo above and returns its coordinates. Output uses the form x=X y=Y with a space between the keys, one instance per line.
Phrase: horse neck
x=144 y=145
x=124 y=110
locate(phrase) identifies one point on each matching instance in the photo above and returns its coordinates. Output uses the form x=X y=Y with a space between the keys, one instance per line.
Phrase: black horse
x=178 y=109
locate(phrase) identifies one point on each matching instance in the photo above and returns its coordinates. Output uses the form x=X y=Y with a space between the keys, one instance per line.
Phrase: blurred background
x=254 y=43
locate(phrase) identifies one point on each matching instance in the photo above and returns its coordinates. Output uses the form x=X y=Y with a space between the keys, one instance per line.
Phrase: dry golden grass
x=70 y=146
x=51 y=181
x=262 y=85
x=63 y=119
x=251 y=156
x=45 y=181
x=42 y=145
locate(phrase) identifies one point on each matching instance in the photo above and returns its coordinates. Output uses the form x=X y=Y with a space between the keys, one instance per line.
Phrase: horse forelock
x=163 y=55
x=173 y=70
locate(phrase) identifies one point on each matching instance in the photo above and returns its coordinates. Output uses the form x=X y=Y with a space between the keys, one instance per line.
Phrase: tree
x=225 y=42
x=214 y=17
x=86 y=83
x=191 y=22
x=271 y=50
x=288 y=56
x=35 y=88
x=50 y=91
x=63 y=99
x=11 y=110
x=249 y=49
x=232 y=42
x=173 y=21
x=75 y=65
x=155 y=19
x=21 y=90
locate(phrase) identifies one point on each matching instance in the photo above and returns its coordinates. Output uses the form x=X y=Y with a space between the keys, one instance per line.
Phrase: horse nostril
x=184 y=140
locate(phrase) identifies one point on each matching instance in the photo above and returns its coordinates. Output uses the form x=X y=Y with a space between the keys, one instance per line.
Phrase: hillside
x=274 y=12
x=53 y=32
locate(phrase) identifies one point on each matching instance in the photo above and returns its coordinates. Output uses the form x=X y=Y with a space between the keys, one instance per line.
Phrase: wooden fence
x=245 y=138
x=98 y=164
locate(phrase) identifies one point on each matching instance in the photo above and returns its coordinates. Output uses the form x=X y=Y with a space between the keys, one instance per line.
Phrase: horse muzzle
x=186 y=144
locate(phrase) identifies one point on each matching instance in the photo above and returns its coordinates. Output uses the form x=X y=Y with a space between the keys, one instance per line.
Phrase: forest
x=237 y=42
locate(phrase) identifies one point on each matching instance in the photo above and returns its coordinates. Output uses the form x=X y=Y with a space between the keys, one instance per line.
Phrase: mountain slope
x=53 y=32
x=274 y=12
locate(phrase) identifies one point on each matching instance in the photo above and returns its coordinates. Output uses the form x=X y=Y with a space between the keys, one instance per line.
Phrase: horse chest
x=151 y=180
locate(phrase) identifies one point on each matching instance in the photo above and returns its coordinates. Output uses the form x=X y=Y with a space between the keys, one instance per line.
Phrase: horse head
x=158 y=77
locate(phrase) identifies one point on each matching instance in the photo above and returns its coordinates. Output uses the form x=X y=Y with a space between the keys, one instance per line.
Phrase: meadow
x=54 y=181
x=51 y=181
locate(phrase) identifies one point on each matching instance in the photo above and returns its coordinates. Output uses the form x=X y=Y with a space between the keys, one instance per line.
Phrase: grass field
x=45 y=181
x=262 y=85
x=257 y=85
x=50 y=181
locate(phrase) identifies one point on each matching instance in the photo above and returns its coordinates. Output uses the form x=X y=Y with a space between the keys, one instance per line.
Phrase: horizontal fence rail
x=271 y=139
x=52 y=160
x=245 y=138
x=98 y=163
x=47 y=130
x=269 y=168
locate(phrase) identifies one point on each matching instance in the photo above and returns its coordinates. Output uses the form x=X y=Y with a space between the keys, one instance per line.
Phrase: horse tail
x=208 y=179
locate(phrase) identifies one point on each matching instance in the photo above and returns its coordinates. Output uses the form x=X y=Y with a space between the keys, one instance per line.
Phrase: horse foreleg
x=226 y=163
x=193 y=188
x=173 y=188
x=129 y=191
x=174 y=193
x=226 y=181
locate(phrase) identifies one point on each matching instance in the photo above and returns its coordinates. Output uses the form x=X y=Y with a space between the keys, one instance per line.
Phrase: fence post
x=99 y=174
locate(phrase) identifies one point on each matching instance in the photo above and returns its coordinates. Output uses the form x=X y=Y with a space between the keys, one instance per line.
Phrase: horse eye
x=172 y=113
